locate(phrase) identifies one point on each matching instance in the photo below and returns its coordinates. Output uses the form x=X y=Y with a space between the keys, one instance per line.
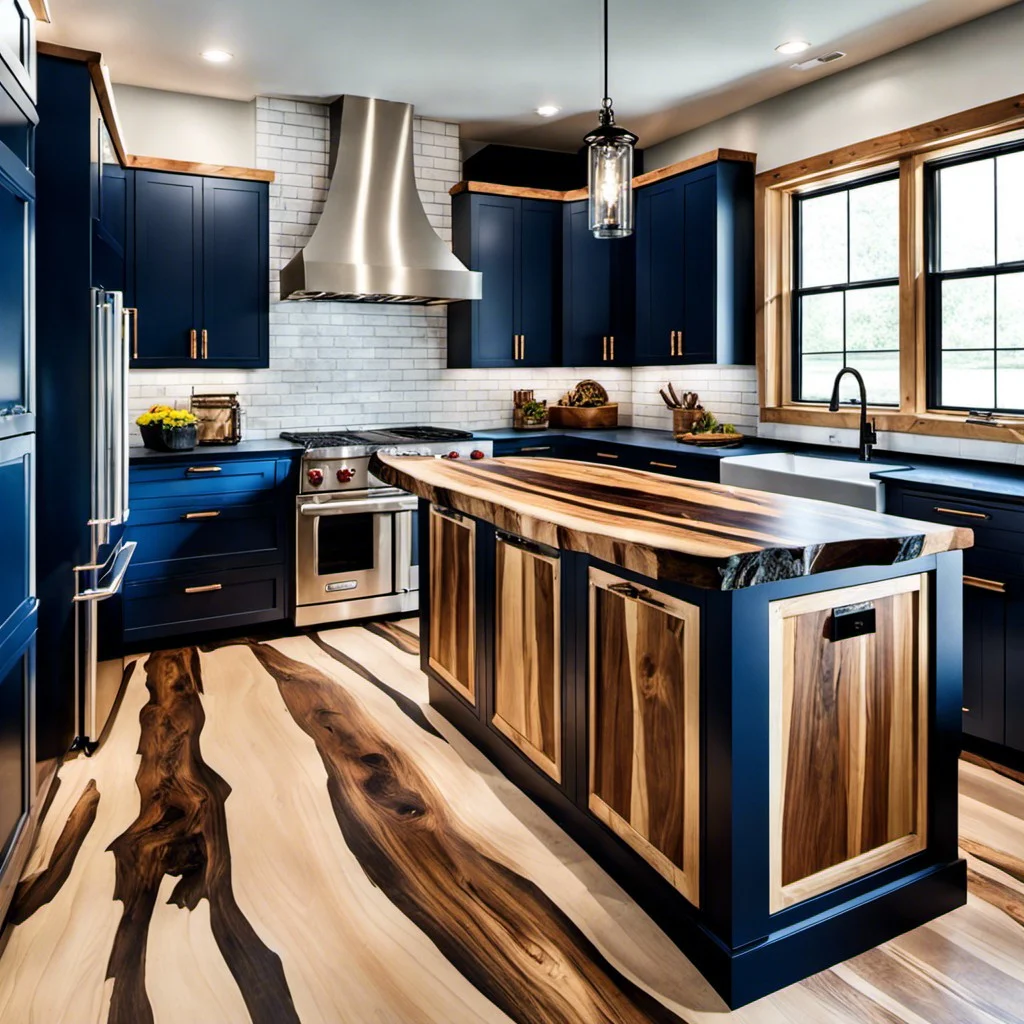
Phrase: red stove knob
x=315 y=477
x=453 y=455
x=345 y=474
x=476 y=454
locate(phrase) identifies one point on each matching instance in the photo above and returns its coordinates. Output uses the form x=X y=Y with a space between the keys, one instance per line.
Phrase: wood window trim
x=773 y=207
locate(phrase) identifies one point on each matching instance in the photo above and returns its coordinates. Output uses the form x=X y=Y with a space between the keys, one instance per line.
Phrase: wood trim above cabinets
x=650 y=178
x=100 y=74
x=157 y=163
x=41 y=9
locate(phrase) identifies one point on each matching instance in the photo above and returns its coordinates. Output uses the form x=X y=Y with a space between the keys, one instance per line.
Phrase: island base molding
x=677 y=737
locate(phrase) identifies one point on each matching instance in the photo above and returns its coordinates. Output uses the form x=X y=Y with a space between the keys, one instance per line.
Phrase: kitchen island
x=745 y=706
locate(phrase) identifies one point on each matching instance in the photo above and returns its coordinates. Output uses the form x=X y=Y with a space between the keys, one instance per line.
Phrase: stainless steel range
x=356 y=538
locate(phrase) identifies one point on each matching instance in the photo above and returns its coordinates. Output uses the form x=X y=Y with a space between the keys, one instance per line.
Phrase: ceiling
x=675 y=64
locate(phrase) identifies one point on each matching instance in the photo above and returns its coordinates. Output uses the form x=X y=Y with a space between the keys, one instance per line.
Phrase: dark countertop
x=684 y=531
x=245 y=449
x=975 y=478
x=641 y=437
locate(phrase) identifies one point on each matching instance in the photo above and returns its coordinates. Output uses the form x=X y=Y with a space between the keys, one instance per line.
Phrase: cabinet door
x=235 y=274
x=644 y=725
x=587 y=310
x=539 y=281
x=14 y=213
x=1015 y=665
x=496 y=255
x=527 y=659
x=697 y=343
x=17 y=55
x=453 y=601
x=848 y=732
x=16 y=455
x=660 y=288
x=167 y=266
x=986 y=637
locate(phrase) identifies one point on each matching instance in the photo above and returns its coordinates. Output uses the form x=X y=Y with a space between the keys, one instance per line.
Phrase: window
x=846 y=296
x=975 y=281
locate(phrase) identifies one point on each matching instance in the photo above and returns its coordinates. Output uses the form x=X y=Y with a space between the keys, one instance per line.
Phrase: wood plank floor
x=285 y=832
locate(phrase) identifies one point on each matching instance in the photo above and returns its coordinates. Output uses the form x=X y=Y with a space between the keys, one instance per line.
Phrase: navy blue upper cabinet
x=597 y=293
x=199 y=271
x=236 y=282
x=694 y=267
x=516 y=244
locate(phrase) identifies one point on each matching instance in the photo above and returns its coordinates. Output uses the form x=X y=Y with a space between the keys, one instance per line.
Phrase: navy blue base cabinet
x=214 y=535
x=695 y=267
x=517 y=245
x=199 y=271
x=993 y=614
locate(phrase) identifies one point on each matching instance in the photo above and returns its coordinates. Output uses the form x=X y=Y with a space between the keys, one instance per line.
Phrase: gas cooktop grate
x=429 y=433
x=330 y=439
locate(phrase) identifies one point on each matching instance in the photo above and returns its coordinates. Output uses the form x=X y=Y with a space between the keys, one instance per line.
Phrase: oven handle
x=406 y=503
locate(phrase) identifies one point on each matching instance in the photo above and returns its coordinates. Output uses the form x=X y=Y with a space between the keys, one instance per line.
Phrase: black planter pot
x=168 y=439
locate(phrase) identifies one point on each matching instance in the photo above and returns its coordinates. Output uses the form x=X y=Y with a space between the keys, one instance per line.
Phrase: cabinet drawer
x=205 y=477
x=671 y=464
x=540 y=447
x=212 y=600
x=195 y=537
x=994 y=526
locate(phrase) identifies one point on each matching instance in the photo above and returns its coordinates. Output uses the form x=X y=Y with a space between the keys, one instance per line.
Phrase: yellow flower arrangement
x=165 y=416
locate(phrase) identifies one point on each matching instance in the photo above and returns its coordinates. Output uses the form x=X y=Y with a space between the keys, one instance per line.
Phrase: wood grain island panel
x=453 y=601
x=848 y=773
x=644 y=730
x=527 y=673
x=685 y=531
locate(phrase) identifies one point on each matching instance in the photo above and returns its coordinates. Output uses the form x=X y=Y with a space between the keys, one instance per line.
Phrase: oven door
x=345 y=547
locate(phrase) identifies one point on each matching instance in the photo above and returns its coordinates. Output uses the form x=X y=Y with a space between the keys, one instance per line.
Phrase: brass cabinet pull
x=517 y=347
x=192 y=343
x=961 y=512
x=204 y=590
x=996 y=586
x=133 y=313
x=536 y=448
x=665 y=465
x=966 y=711
x=201 y=515
x=604 y=350
x=673 y=346
x=612 y=337
x=206 y=349
x=522 y=346
x=203 y=469
x=605 y=455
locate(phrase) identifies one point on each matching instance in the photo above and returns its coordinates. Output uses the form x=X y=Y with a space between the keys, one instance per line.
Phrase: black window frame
x=935 y=277
x=799 y=293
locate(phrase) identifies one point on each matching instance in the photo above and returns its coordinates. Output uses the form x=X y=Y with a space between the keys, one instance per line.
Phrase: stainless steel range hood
x=373 y=242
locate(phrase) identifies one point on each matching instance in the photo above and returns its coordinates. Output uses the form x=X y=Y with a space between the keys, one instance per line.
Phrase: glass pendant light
x=610 y=161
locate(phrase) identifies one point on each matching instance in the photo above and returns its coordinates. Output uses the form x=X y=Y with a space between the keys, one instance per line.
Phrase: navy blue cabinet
x=213 y=535
x=993 y=606
x=15 y=227
x=597 y=293
x=516 y=244
x=694 y=267
x=17 y=672
x=198 y=270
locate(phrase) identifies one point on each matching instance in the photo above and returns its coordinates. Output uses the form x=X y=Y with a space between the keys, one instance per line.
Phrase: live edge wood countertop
x=683 y=531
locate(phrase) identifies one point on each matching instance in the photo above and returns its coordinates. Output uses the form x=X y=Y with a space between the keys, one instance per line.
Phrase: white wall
x=180 y=126
x=964 y=67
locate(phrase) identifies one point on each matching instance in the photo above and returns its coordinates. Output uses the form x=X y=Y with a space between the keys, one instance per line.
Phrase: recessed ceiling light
x=793 y=46
x=548 y=110
x=216 y=56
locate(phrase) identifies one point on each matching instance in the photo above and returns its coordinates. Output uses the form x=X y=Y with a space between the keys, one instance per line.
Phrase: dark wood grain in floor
x=406 y=704
x=497 y=928
x=181 y=831
x=38 y=889
x=405 y=640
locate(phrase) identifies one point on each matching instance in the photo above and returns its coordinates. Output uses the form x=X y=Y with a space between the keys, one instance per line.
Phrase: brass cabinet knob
x=192 y=343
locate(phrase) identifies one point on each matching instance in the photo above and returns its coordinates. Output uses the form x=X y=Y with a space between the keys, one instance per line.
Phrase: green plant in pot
x=168 y=430
x=534 y=413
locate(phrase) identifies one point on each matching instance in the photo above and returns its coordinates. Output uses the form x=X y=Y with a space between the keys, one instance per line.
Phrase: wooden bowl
x=573 y=417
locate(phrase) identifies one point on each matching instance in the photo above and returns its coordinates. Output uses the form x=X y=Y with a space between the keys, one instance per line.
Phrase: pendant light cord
x=607 y=98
